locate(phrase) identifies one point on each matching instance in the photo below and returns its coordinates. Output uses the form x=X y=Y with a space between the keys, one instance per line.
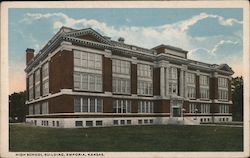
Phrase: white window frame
x=96 y=100
x=145 y=106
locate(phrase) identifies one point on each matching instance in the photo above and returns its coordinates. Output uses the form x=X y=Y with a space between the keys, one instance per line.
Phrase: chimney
x=29 y=55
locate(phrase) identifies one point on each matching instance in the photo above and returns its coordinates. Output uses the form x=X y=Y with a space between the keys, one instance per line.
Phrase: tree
x=237 y=97
x=17 y=107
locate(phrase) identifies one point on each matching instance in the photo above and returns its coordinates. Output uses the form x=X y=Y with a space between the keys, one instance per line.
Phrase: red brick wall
x=156 y=81
x=107 y=74
x=61 y=104
x=107 y=105
x=162 y=106
x=197 y=86
x=29 y=57
x=213 y=88
x=134 y=104
x=133 y=79
x=61 y=71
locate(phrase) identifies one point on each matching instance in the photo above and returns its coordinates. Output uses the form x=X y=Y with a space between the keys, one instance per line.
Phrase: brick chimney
x=29 y=55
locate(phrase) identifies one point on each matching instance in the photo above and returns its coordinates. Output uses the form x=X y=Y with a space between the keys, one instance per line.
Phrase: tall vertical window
x=145 y=107
x=31 y=108
x=121 y=106
x=223 y=88
x=190 y=78
x=192 y=108
x=121 y=76
x=87 y=71
x=37 y=84
x=31 y=94
x=191 y=87
x=205 y=108
x=173 y=82
x=45 y=107
x=145 y=79
x=45 y=79
x=223 y=109
x=204 y=80
x=204 y=87
x=191 y=91
x=37 y=108
x=222 y=82
x=204 y=93
x=88 y=104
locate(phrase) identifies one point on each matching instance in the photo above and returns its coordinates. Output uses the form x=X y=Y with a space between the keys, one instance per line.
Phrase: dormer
x=171 y=51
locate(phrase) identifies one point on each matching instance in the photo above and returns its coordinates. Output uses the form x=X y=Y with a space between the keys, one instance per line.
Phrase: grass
x=27 y=138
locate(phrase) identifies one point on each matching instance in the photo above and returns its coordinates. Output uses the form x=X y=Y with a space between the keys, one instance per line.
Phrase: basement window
x=89 y=123
x=129 y=122
x=98 y=123
x=78 y=123
x=115 y=122
x=140 y=122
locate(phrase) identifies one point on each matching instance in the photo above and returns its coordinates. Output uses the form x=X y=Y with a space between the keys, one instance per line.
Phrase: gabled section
x=89 y=34
x=225 y=67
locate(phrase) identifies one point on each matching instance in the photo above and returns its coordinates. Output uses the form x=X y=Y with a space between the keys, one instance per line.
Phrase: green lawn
x=130 y=138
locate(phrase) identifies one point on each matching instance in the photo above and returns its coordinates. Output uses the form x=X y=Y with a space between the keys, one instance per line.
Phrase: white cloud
x=221 y=43
x=186 y=24
x=201 y=48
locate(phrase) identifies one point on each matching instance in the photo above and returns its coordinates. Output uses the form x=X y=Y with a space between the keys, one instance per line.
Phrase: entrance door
x=176 y=112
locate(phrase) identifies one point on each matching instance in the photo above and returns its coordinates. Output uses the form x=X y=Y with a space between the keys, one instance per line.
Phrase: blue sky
x=211 y=35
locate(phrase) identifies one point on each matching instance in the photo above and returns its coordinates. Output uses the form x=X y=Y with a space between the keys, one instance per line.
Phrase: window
x=31 y=95
x=53 y=123
x=121 y=77
x=145 y=121
x=115 y=122
x=31 y=110
x=98 y=123
x=204 y=93
x=87 y=60
x=46 y=87
x=172 y=73
x=120 y=66
x=78 y=123
x=145 y=87
x=129 y=122
x=121 y=106
x=204 y=80
x=57 y=123
x=172 y=88
x=144 y=71
x=192 y=108
x=151 y=121
x=45 y=70
x=145 y=107
x=223 y=94
x=191 y=92
x=223 y=109
x=85 y=104
x=37 y=83
x=45 y=79
x=121 y=85
x=190 y=78
x=205 y=108
x=45 y=108
x=140 y=122
x=222 y=82
x=87 y=81
x=122 y=122
x=37 y=108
